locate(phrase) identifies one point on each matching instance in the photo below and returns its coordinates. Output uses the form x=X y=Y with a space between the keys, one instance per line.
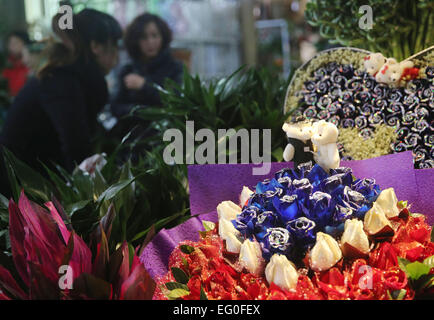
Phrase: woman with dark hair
x=147 y=41
x=17 y=70
x=54 y=116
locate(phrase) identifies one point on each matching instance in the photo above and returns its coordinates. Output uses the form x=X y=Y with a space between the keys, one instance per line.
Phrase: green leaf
x=402 y=204
x=184 y=263
x=160 y=224
x=178 y=293
x=33 y=182
x=66 y=192
x=114 y=189
x=99 y=183
x=74 y=207
x=429 y=262
x=426 y=281
x=179 y=275
x=417 y=269
x=176 y=285
x=202 y=294
x=397 y=294
x=403 y=264
x=186 y=249
x=4 y=202
x=208 y=225
x=278 y=154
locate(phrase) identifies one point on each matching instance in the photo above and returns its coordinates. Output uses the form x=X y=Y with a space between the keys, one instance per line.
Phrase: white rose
x=325 y=253
x=388 y=201
x=251 y=257
x=376 y=220
x=233 y=244
x=282 y=272
x=355 y=237
x=228 y=210
x=230 y=234
x=245 y=195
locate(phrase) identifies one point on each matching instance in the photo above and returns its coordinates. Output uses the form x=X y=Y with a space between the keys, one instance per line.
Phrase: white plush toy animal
x=391 y=72
x=299 y=147
x=374 y=62
x=324 y=140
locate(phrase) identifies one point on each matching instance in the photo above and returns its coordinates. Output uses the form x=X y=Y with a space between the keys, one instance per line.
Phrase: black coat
x=155 y=71
x=53 y=118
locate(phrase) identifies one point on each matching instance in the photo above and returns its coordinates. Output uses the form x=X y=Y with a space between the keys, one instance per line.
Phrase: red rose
x=332 y=284
x=194 y=285
x=395 y=278
x=222 y=284
x=384 y=257
x=415 y=254
x=254 y=286
x=365 y=282
x=277 y=293
x=306 y=290
x=420 y=253
x=416 y=229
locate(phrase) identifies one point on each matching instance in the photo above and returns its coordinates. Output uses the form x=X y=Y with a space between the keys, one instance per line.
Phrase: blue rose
x=354 y=198
x=319 y=208
x=346 y=175
x=331 y=183
x=367 y=187
x=264 y=221
x=305 y=168
x=360 y=212
x=341 y=214
x=276 y=240
x=246 y=220
x=285 y=172
x=287 y=207
x=257 y=200
x=286 y=183
x=270 y=197
x=316 y=175
x=267 y=185
x=302 y=188
x=302 y=170
x=335 y=231
x=302 y=229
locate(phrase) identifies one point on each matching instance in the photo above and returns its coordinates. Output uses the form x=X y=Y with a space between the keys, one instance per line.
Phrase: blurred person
x=147 y=41
x=17 y=70
x=54 y=116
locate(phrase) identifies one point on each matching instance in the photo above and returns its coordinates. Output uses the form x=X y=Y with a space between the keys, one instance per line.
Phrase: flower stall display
x=357 y=89
x=315 y=231
x=307 y=234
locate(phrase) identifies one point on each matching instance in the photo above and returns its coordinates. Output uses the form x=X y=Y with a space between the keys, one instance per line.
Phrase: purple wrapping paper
x=211 y=184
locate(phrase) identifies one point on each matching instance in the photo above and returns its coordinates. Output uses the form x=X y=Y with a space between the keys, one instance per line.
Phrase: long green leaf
x=114 y=189
x=33 y=182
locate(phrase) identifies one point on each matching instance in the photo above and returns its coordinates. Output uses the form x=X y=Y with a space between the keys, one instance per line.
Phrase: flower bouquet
x=307 y=234
x=384 y=104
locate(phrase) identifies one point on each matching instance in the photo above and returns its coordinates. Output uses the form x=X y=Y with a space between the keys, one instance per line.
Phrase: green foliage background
x=401 y=27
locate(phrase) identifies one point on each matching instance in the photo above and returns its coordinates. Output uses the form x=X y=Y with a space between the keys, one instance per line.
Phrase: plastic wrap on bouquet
x=211 y=184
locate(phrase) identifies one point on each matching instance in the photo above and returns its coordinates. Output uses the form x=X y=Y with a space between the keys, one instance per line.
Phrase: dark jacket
x=53 y=118
x=155 y=72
